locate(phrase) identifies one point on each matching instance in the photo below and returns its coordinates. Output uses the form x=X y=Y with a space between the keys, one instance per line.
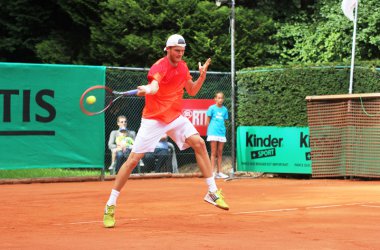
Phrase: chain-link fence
x=122 y=78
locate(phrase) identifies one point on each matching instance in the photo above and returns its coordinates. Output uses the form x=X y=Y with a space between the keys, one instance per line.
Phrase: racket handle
x=132 y=92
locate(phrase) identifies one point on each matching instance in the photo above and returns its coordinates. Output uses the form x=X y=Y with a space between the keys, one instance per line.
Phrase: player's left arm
x=192 y=87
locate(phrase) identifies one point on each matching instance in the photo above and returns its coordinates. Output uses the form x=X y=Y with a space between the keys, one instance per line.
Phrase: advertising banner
x=195 y=110
x=273 y=149
x=41 y=124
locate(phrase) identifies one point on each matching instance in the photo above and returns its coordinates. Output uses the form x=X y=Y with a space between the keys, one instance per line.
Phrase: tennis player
x=162 y=113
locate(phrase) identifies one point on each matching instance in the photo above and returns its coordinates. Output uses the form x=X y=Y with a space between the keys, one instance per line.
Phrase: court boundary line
x=370 y=206
x=97 y=221
x=359 y=204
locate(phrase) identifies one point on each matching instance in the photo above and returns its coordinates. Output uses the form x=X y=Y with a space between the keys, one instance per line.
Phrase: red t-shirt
x=166 y=104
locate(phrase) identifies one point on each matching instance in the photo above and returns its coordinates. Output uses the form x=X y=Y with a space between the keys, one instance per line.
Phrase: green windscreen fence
x=41 y=124
x=345 y=135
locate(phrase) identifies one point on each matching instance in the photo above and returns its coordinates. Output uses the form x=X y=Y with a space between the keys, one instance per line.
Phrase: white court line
x=363 y=204
x=370 y=206
x=294 y=209
x=326 y=206
x=355 y=204
x=266 y=211
x=341 y=205
x=255 y=212
x=76 y=223
x=93 y=222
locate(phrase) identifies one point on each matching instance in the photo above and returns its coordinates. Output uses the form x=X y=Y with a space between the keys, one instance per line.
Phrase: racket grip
x=132 y=92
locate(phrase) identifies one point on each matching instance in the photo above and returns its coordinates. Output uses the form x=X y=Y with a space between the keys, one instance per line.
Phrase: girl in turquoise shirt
x=216 y=132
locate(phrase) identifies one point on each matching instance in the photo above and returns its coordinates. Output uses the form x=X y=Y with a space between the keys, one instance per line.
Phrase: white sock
x=113 y=197
x=211 y=184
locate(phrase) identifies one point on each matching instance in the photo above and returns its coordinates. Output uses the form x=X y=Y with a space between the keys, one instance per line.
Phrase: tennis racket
x=97 y=99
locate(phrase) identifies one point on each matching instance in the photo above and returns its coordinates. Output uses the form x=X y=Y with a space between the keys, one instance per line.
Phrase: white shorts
x=151 y=131
x=216 y=138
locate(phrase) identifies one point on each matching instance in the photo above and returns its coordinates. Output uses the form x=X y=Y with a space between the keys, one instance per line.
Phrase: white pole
x=233 y=143
x=353 y=48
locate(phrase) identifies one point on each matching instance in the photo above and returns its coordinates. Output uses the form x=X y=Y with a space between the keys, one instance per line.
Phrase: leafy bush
x=276 y=96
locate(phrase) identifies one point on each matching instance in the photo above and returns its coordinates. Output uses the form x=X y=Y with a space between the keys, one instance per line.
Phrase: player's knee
x=199 y=144
x=133 y=161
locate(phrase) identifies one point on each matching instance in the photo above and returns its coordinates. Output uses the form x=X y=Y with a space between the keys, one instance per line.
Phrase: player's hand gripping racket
x=97 y=99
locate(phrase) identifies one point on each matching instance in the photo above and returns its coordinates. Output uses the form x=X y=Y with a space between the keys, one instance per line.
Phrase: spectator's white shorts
x=151 y=131
x=216 y=138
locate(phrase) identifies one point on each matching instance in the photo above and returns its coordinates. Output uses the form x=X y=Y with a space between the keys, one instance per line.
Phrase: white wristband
x=147 y=89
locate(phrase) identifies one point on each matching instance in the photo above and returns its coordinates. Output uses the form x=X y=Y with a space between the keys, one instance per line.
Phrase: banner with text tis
x=195 y=110
x=41 y=124
x=274 y=149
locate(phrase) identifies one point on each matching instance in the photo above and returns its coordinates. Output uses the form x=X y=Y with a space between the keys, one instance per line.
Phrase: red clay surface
x=171 y=214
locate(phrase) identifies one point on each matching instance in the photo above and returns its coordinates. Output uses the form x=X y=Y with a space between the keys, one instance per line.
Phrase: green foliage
x=326 y=35
x=21 y=28
x=54 y=50
x=52 y=32
x=45 y=173
x=134 y=32
x=276 y=96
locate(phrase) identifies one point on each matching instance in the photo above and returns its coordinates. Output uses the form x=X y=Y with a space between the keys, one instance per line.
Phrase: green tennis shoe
x=109 y=216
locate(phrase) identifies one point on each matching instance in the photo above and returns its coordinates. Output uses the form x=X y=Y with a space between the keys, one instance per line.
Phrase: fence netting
x=123 y=78
x=345 y=135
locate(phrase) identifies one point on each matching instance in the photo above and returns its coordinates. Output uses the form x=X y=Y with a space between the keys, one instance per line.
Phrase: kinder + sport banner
x=273 y=149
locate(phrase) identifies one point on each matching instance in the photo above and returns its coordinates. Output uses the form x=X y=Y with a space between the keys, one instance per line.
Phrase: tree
x=69 y=36
x=134 y=33
x=46 y=31
x=326 y=35
x=23 y=24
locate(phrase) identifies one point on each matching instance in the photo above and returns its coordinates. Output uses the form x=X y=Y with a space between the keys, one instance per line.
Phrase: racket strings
x=103 y=100
x=97 y=99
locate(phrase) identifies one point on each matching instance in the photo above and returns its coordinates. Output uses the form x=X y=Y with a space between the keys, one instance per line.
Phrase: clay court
x=266 y=213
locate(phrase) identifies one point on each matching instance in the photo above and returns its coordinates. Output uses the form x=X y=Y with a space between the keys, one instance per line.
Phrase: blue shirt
x=162 y=144
x=217 y=116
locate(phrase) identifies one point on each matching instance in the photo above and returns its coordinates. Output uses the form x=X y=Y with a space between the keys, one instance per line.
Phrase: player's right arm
x=155 y=75
x=208 y=115
x=207 y=120
x=149 y=89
